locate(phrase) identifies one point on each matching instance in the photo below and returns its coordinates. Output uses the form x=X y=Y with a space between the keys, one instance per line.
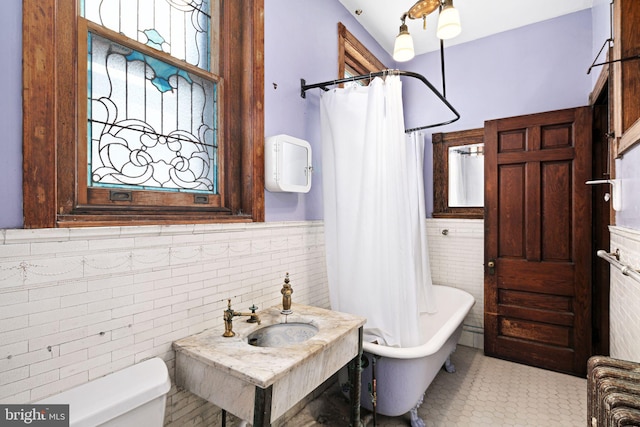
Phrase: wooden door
x=538 y=239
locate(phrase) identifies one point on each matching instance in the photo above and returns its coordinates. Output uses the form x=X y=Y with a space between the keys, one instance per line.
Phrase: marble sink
x=262 y=383
x=282 y=334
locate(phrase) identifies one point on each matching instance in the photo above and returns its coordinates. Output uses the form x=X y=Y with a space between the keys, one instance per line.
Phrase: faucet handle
x=254 y=317
x=229 y=311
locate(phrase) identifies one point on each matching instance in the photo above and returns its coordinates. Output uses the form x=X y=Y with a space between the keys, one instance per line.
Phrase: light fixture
x=448 y=25
x=403 y=47
x=422 y=8
x=448 y=21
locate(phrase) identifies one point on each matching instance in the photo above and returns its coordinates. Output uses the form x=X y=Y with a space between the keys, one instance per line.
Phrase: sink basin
x=282 y=334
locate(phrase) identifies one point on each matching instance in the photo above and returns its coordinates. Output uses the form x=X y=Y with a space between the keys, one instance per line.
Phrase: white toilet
x=135 y=396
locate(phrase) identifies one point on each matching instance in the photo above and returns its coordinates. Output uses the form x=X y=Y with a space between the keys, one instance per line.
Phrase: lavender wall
x=482 y=83
x=601 y=27
x=11 y=115
x=536 y=68
x=301 y=41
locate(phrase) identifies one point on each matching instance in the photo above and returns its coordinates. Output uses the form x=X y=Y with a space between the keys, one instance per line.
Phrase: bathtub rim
x=466 y=302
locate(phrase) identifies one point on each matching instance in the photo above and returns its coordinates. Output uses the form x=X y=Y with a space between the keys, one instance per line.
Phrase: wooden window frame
x=51 y=131
x=355 y=55
x=626 y=75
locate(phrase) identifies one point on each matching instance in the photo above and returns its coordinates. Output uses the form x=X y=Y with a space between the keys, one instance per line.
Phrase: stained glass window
x=67 y=112
x=152 y=124
x=178 y=27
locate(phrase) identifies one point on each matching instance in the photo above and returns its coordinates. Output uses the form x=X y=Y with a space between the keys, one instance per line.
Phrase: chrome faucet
x=230 y=313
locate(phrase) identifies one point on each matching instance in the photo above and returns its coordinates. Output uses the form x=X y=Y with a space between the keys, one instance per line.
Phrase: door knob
x=492 y=266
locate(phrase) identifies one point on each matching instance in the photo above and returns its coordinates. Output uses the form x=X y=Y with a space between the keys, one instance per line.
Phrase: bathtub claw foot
x=416 y=421
x=448 y=366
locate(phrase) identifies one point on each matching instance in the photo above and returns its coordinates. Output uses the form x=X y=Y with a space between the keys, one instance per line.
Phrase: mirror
x=466 y=176
x=458 y=174
x=298 y=157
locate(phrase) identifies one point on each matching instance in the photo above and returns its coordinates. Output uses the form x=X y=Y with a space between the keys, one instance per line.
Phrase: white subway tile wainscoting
x=625 y=297
x=456 y=253
x=77 y=304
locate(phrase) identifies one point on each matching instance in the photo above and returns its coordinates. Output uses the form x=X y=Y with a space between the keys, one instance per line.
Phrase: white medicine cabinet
x=287 y=164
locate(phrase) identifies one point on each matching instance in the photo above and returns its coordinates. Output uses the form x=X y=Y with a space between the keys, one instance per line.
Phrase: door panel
x=538 y=233
x=512 y=211
x=556 y=204
x=541 y=332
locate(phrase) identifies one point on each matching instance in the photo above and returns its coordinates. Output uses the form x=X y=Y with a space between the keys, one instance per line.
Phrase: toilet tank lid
x=110 y=396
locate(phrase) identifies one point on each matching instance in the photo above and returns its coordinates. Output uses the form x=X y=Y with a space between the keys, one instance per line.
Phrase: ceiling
x=479 y=18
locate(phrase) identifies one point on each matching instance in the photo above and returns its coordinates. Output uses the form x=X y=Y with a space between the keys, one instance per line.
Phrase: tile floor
x=482 y=392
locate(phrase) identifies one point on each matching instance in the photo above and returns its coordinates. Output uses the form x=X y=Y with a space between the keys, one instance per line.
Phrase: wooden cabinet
x=626 y=73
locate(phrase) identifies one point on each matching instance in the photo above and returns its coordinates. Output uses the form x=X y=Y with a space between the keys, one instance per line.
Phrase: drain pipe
x=374 y=391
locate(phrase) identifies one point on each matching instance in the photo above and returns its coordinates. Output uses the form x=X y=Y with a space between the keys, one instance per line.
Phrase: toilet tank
x=134 y=396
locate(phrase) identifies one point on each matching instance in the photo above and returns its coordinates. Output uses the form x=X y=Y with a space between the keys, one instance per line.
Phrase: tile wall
x=456 y=251
x=77 y=304
x=624 y=300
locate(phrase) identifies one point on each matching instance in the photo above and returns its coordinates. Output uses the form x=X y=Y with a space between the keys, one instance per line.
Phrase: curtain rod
x=304 y=87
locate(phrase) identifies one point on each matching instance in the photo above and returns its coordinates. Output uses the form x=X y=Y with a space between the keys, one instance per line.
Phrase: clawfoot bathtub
x=404 y=374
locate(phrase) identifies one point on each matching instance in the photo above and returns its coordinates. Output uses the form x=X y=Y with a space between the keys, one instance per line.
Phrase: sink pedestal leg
x=262 y=407
x=355 y=375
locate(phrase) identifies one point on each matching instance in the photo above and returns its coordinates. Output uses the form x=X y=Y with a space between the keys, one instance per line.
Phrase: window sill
x=113 y=220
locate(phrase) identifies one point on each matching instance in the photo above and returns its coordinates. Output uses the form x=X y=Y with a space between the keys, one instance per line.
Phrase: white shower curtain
x=374 y=212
